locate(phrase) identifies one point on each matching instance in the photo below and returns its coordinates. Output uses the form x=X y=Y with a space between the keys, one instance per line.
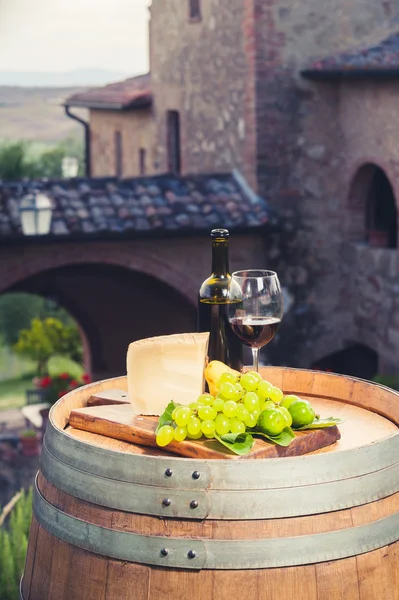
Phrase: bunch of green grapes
x=243 y=402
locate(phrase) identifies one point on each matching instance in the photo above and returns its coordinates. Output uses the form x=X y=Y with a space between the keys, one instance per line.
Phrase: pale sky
x=63 y=35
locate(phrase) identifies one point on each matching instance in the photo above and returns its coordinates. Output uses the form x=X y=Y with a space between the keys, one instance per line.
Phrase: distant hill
x=76 y=78
x=36 y=114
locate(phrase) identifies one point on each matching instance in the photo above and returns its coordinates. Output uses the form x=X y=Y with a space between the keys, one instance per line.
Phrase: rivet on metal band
x=168 y=472
x=166 y=502
x=193 y=504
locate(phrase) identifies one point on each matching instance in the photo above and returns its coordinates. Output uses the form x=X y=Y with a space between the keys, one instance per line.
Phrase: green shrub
x=13 y=545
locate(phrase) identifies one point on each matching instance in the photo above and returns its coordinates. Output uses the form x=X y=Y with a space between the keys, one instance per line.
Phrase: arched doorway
x=356 y=361
x=372 y=204
x=114 y=306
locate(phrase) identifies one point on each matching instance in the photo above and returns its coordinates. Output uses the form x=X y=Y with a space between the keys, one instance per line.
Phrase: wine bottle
x=213 y=298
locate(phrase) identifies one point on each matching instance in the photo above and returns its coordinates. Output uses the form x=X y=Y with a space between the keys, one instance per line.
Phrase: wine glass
x=256 y=318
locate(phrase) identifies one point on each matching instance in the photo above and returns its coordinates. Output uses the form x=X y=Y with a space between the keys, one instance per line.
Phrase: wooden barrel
x=120 y=522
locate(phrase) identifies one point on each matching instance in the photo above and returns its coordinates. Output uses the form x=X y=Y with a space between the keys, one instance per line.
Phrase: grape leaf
x=321 y=424
x=239 y=443
x=283 y=439
x=166 y=417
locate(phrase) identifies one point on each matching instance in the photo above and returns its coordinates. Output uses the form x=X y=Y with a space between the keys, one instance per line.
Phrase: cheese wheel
x=165 y=368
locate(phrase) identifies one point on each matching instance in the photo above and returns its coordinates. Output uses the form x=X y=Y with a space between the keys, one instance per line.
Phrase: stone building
x=302 y=99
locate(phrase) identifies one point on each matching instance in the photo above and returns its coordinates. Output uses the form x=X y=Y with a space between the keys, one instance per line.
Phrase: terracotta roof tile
x=131 y=93
x=161 y=205
x=381 y=60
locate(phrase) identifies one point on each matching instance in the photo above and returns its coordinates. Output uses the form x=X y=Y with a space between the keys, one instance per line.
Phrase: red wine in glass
x=255 y=332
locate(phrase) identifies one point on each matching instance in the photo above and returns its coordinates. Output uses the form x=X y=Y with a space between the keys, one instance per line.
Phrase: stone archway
x=113 y=306
x=357 y=360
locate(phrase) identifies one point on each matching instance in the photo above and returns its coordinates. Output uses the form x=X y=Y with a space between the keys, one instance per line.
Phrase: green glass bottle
x=213 y=298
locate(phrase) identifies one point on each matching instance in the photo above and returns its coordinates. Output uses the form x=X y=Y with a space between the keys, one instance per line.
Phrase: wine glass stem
x=255 y=358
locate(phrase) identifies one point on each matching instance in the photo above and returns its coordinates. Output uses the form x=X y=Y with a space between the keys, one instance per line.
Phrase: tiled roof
x=131 y=93
x=161 y=205
x=381 y=60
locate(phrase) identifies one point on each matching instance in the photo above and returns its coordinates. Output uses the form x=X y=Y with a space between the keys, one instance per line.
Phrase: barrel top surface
x=355 y=401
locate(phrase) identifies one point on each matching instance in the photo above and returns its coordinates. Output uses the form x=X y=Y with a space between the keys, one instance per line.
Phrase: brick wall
x=137 y=131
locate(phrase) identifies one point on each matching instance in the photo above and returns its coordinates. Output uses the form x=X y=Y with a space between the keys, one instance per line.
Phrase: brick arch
x=32 y=260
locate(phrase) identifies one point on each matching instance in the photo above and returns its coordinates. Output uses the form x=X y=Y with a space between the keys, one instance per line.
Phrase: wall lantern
x=35 y=213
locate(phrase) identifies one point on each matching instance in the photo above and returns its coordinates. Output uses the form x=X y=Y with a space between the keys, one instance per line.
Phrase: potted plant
x=59 y=385
x=30 y=442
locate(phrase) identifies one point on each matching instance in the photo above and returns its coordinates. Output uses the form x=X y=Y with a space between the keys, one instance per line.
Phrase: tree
x=18 y=162
x=14 y=163
x=47 y=337
x=17 y=310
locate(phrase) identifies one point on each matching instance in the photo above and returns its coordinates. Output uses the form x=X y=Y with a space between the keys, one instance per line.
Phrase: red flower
x=60 y=394
x=73 y=383
x=64 y=376
x=86 y=378
x=45 y=382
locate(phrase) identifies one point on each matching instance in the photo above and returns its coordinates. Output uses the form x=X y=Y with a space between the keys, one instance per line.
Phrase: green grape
x=236 y=426
x=250 y=420
x=194 y=405
x=227 y=390
x=209 y=435
x=302 y=413
x=218 y=404
x=222 y=424
x=268 y=405
x=175 y=411
x=180 y=434
x=241 y=412
x=193 y=426
x=263 y=389
x=208 y=427
x=251 y=401
x=288 y=400
x=205 y=399
x=230 y=408
x=165 y=435
x=276 y=395
x=240 y=390
x=226 y=377
x=287 y=415
x=271 y=422
x=255 y=374
x=182 y=416
x=194 y=436
x=206 y=413
x=249 y=382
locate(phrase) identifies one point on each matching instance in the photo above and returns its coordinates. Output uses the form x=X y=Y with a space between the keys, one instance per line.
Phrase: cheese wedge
x=165 y=368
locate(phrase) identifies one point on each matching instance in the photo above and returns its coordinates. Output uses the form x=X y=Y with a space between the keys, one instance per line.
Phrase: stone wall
x=311 y=139
x=137 y=131
x=199 y=69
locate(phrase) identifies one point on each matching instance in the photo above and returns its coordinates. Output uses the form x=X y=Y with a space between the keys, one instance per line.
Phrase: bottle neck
x=220 y=257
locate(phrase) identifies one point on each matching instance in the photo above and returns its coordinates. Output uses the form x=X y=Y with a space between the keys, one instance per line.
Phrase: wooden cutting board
x=118 y=421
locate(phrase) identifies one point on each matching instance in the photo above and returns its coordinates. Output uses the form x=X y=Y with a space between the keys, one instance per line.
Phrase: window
x=142 y=158
x=194 y=10
x=372 y=208
x=118 y=154
x=381 y=218
x=173 y=141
